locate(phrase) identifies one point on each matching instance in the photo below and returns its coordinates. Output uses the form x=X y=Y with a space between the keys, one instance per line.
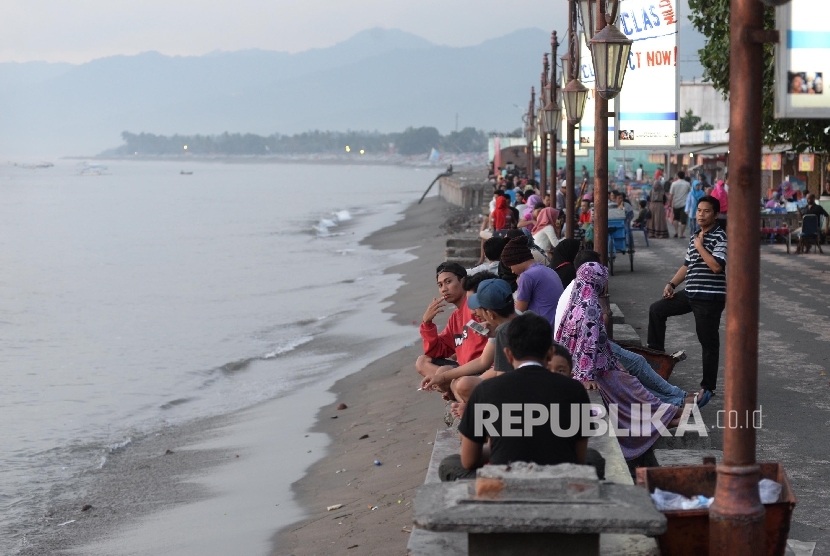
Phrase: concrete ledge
x=617 y=316
x=689 y=441
x=626 y=332
x=669 y=458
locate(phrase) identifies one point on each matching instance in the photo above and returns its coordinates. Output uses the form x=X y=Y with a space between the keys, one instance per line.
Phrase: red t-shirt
x=456 y=338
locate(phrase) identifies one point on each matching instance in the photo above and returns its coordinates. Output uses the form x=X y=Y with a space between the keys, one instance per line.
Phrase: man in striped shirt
x=705 y=294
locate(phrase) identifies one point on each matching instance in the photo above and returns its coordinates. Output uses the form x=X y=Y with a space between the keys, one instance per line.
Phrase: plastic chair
x=809 y=234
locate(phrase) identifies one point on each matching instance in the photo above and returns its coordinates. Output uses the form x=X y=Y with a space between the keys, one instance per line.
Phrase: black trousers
x=707 y=322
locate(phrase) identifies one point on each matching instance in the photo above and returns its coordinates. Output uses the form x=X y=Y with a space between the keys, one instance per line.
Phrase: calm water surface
x=141 y=297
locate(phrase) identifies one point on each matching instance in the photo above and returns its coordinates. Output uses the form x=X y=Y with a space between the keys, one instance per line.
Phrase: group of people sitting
x=525 y=333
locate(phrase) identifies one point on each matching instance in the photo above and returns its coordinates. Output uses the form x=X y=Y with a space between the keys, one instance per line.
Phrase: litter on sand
x=66 y=523
x=334 y=507
x=377 y=462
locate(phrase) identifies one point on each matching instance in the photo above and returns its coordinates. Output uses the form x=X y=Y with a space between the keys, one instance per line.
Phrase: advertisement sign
x=805 y=162
x=586 y=75
x=802 y=60
x=648 y=102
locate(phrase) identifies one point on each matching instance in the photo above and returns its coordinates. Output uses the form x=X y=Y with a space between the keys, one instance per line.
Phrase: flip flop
x=707 y=395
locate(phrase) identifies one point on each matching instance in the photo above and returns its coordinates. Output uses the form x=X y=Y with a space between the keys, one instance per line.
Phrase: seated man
x=539 y=285
x=492 y=302
x=444 y=376
x=530 y=350
x=642 y=217
x=457 y=339
x=492 y=253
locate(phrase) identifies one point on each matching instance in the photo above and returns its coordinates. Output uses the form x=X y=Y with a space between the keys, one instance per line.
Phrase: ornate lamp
x=610 y=49
x=575 y=95
x=552 y=114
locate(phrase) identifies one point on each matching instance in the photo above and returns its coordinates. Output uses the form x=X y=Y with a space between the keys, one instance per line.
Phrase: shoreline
x=386 y=420
x=218 y=485
x=461 y=162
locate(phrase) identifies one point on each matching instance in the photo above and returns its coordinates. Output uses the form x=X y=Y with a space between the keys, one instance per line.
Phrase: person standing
x=722 y=196
x=639 y=174
x=658 y=228
x=561 y=197
x=704 y=270
x=678 y=193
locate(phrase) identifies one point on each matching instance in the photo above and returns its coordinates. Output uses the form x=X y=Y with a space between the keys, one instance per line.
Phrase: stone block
x=626 y=332
x=447 y=442
x=534 y=483
x=617 y=316
x=668 y=458
x=453 y=507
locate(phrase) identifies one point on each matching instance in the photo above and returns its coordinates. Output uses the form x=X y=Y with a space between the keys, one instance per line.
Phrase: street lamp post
x=609 y=50
x=529 y=133
x=543 y=131
x=574 y=96
x=553 y=113
x=736 y=518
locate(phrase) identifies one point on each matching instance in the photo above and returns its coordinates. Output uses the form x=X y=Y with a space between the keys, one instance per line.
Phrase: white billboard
x=802 y=60
x=648 y=103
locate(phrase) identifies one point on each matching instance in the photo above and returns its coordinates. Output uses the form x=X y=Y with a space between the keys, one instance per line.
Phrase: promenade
x=401 y=422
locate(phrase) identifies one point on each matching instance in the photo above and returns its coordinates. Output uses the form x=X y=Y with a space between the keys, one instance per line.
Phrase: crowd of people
x=530 y=328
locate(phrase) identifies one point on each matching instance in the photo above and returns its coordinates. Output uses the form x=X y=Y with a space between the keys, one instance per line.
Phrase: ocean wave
x=119 y=445
x=290 y=346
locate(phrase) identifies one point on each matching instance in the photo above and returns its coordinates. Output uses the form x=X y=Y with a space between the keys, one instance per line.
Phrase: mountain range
x=380 y=79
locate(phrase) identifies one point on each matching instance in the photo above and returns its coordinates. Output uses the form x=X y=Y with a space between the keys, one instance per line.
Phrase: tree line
x=412 y=141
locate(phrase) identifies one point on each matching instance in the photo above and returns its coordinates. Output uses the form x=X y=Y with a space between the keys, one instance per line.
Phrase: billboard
x=586 y=75
x=802 y=60
x=648 y=103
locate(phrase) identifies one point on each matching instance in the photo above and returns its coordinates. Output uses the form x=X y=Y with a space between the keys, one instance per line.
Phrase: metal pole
x=529 y=161
x=554 y=90
x=543 y=137
x=736 y=519
x=570 y=156
x=600 y=160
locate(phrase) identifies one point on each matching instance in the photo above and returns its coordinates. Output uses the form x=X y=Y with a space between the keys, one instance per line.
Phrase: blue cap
x=493 y=294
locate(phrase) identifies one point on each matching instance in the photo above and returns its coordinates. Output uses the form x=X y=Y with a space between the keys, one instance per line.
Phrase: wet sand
x=225 y=487
x=383 y=403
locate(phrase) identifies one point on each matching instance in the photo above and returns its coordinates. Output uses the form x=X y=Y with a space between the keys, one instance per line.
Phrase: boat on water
x=186 y=173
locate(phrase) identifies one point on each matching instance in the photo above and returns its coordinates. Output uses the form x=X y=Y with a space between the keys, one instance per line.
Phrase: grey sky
x=80 y=30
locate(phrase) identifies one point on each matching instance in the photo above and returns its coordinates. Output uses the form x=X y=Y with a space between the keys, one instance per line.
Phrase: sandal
x=707 y=395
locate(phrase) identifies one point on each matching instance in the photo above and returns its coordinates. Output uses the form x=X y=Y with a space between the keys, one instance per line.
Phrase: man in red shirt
x=457 y=339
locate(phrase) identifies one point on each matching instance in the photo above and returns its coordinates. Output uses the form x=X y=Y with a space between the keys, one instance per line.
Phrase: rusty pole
x=736 y=519
x=543 y=137
x=600 y=160
x=570 y=156
x=554 y=96
x=530 y=124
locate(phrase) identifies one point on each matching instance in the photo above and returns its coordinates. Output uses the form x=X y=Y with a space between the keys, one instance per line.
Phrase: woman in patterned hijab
x=583 y=333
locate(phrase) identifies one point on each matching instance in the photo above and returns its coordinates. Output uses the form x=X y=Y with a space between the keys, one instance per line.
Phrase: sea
x=137 y=295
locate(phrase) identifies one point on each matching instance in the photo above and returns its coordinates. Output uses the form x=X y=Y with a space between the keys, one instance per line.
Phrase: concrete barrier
x=469 y=190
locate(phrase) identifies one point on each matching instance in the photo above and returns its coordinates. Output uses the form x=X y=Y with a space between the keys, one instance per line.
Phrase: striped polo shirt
x=701 y=283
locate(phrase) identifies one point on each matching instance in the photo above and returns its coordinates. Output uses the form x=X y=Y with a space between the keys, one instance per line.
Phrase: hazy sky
x=80 y=30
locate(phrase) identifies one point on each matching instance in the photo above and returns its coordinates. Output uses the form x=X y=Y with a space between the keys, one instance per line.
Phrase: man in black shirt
x=814 y=208
x=526 y=414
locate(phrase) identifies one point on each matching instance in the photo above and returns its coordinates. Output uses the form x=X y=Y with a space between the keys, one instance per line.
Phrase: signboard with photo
x=648 y=102
x=802 y=60
x=805 y=162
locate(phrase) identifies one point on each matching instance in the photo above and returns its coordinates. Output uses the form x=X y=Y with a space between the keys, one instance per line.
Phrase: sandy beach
x=223 y=485
x=386 y=420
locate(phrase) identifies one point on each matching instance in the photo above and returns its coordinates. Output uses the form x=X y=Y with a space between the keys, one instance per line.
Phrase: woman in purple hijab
x=583 y=333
